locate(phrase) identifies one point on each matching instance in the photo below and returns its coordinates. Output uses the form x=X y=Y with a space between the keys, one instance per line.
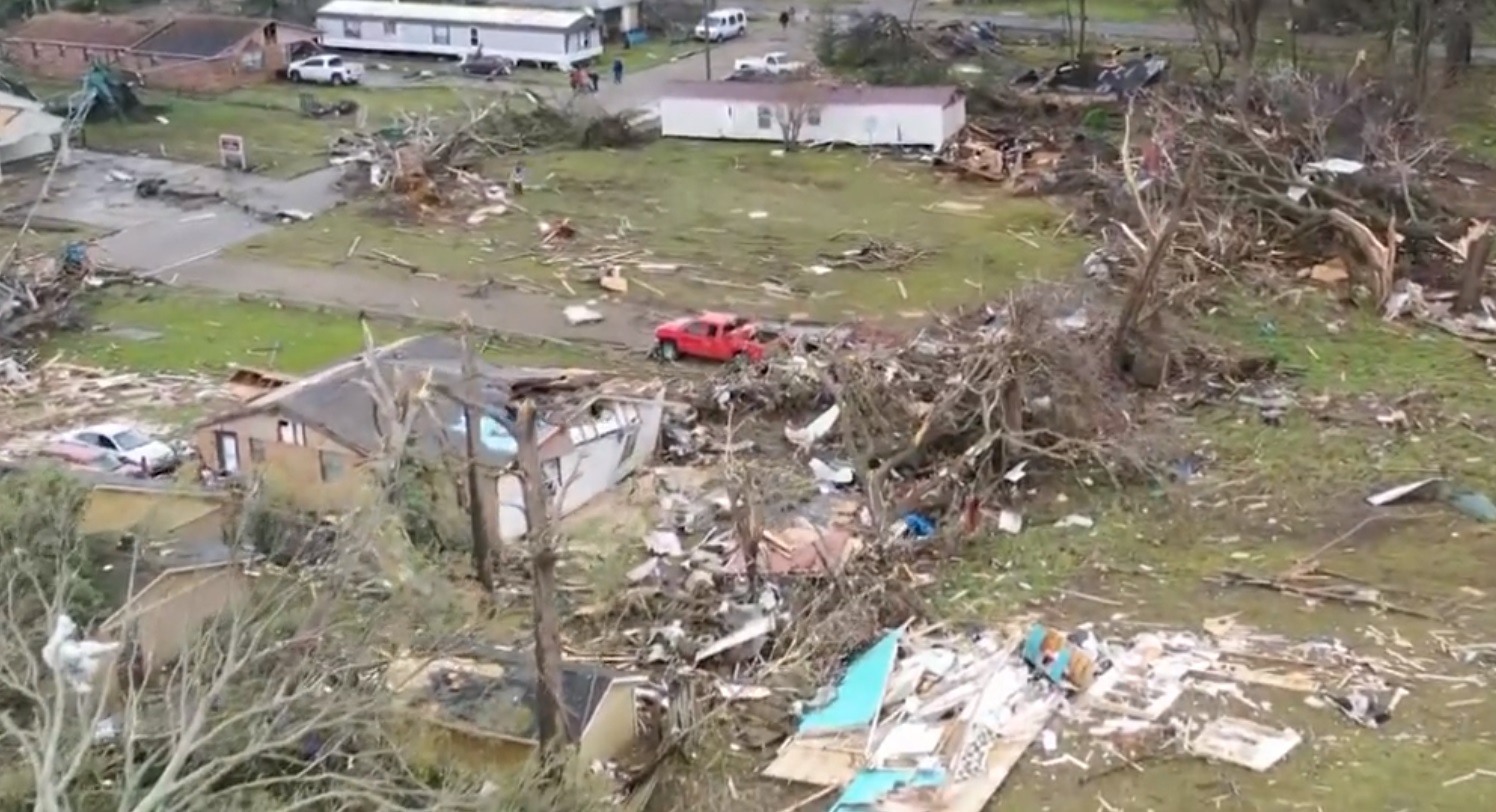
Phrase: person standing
x=617 y=71
x=593 y=78
x=517 y=179
x=784 y=21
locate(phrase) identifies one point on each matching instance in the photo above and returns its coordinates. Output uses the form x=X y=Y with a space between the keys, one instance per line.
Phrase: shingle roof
x=494 y=690
x=811 y=93
x=83 y=29
x=199 y=36
x=338 y=399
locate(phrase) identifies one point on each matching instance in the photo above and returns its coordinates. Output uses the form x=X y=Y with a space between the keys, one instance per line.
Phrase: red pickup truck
x=713 y=336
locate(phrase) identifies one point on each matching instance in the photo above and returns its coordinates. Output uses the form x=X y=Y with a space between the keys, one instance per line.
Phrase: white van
x=723 y=24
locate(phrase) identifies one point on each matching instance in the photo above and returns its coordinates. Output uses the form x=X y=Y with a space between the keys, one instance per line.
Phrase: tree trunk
x=472 y=424
x=1474 y=274
x=1080 y=36
x=1424 y=28
x=1459 y=42
x=551 y=724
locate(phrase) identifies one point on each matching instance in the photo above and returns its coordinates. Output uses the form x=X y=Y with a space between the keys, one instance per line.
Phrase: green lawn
x=645 y=55
x=278 y=139
x=1116 y=11
x=731 y=217
x=209 y=333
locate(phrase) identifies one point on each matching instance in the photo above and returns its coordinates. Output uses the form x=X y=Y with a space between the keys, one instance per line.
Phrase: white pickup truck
x=325 y=70
x=776 y=62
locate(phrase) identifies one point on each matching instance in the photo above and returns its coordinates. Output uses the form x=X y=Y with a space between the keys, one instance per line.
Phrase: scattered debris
x=431 y=164
x=1476 y=505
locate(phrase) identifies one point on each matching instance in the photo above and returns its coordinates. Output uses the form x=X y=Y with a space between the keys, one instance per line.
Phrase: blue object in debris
x=859 y=693
x=1033 y=654
x=74 y=255
x=868 y=787
x=920 y=526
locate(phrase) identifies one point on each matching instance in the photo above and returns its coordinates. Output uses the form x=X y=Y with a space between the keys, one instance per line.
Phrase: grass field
x=279 y=140
x=209 y=333
x=1116 y=11
x=735 y=216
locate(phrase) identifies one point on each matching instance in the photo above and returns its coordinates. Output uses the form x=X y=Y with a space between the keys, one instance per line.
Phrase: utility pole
x=551 y=726
x=706 y=23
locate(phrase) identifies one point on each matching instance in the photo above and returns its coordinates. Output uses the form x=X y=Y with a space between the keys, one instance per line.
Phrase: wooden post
x=478 y=495
x=1474 y=275
x=551 y=725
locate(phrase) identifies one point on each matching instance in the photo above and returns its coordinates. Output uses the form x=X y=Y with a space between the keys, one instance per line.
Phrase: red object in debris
x=713 y=336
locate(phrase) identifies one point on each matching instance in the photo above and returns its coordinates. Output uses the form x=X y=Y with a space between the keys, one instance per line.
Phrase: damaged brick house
x=190 y=52
x=310 y=437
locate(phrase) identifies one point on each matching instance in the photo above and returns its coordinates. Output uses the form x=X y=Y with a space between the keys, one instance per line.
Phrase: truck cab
x=711 y=336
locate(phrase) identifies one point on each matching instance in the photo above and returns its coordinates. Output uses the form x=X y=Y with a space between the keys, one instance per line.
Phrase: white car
x=129 y=442
x=722 y=24
x=325 y=69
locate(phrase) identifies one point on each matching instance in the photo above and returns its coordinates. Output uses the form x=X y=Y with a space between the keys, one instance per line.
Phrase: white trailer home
x=812 y=113
x=540 y=36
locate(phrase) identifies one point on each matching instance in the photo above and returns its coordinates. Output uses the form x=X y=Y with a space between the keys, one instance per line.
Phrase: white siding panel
x=512 y=522
x=860 y=124
x=544 y=45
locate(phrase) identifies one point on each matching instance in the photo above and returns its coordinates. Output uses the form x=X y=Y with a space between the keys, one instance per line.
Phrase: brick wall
x=68 y=62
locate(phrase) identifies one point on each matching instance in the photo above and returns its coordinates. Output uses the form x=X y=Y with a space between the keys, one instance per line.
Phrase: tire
x=337 y=79
x=668 y=351
x=294 y=76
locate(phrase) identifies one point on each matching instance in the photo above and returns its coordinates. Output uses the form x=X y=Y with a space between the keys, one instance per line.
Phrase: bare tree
x=250 y=705
x=551 y=723
x=1241 y=19
x=796 y=108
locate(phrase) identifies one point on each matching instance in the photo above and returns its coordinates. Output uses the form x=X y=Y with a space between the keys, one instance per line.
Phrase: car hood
x=154 y=450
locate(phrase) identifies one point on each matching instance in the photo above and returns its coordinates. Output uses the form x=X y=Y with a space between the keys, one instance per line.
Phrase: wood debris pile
x=958 y=405
x=1315 y=169
x=938 y=421
x=930 y=719
x=429 y=162
x=1024 y=158
x=38 y=296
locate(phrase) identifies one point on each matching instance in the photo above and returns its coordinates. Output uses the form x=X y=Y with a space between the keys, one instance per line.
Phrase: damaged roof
x=83 y=29
x=338 y=398
x=493 y=690
x=194 y=35
x=199 y=36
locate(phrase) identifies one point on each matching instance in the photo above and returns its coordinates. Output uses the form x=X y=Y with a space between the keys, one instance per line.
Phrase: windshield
x=130 y=439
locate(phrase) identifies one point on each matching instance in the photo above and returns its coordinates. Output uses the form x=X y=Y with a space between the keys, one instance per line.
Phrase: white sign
x=231 y=152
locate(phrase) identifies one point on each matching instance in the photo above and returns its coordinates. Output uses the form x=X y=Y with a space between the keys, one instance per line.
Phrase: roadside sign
x=231 y=152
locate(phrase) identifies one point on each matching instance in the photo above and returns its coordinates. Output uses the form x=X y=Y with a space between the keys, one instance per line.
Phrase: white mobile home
x=864 y=116
x=613 y=16
x=540 y=36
